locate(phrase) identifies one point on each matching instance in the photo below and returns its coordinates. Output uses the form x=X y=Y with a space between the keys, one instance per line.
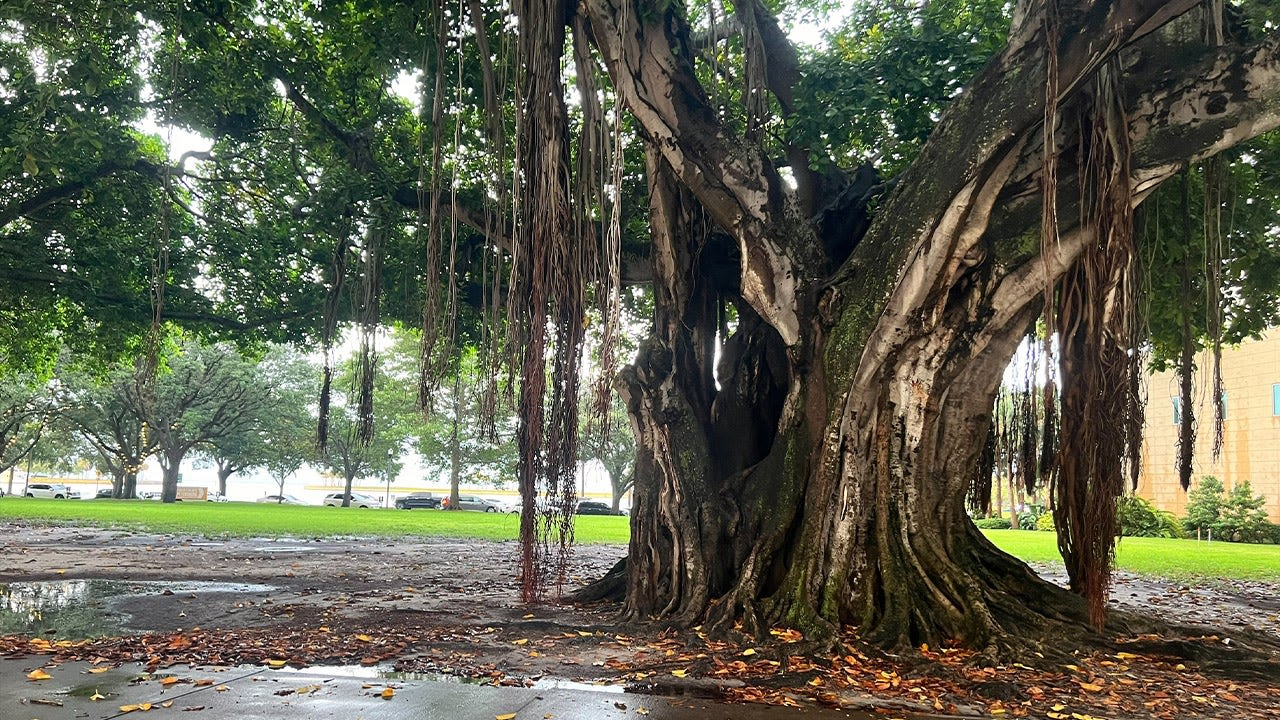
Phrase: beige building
x=1250 y=433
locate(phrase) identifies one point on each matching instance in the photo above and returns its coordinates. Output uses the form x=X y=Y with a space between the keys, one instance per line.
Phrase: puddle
x=285 y=549
x=76 y=609
x=386 y=672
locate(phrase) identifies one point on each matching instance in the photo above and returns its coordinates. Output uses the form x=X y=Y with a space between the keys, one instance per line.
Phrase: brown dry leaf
x=1090 y=687
x=204 y=682
x=169 y=681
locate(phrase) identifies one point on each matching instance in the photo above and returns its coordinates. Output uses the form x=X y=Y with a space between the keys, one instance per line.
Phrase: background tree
x=205 y=393
x=24 y=409
x=615 y=449
x=101 y=410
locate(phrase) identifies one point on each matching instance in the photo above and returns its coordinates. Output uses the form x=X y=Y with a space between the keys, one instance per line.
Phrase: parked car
x=52 y=490
x=103 y=494
x=216 y=496
x=594 y=507
x=418 y=500
x=472 y=502
x=510 y=505
x=149 y=495
x=358 y=500
x=281 y=500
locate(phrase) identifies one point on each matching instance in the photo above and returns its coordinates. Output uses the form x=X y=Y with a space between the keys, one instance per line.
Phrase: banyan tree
x=844 y=247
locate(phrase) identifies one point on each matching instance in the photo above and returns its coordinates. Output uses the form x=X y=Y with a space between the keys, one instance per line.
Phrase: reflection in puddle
x=74 y=609
x=386 y=672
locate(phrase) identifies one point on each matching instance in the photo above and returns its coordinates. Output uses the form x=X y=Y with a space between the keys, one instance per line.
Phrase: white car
x=52 y=490
x=216 y=496
x=358 y=500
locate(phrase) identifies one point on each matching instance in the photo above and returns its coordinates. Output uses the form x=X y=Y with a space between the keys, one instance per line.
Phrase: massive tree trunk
x=818 y=478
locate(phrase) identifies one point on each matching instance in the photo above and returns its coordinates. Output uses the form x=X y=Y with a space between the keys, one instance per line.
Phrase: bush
x=1139 y=518
x=1236 y=516
x=1044 y=523
x=1204 y=504
x=993 y=523
x=1027 y=520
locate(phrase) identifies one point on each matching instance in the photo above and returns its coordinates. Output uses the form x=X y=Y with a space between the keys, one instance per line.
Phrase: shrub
x=1027 y=520
x=1204 y=505
x=1044 y=523
x=1241 y=518
x=993 y=523
x=1139 y=518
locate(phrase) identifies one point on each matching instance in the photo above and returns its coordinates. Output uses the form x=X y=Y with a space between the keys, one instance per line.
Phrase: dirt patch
x=452 y=606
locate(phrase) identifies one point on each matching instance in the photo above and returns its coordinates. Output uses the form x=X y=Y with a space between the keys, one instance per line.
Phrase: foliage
x=1139 y=518
x=993 y=523
x=615 y=449
x=23 y=413
x=1204 y=505
x=1235 y=516
x=1044 y=523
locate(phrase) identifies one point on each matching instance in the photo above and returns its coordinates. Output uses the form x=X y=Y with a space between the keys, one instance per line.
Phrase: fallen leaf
x=129 y=708
x=203 y=682
x=527 y=617
x=221 y=688
x=680 y=673
x=96 y=696
x=97 y=670
x=1090 y=687
x=642 y=711
x=388 y=693
x=169 y=681
x=167 y=704
x=508 y=716
x=364 y=638
x=749 y=651
x=1126 y=656
x=277 y=663
x=38 y=674
x=44 y=701
x=522 y=641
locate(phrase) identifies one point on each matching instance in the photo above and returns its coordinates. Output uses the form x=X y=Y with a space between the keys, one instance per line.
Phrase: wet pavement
x=79 y=691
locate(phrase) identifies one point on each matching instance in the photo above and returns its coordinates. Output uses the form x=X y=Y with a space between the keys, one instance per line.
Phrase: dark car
x=592 y=507
x=418 y=500
x=103 y=494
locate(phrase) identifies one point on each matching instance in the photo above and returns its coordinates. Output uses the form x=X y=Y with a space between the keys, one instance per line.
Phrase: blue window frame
x=1177 y=411
x=1275 y=399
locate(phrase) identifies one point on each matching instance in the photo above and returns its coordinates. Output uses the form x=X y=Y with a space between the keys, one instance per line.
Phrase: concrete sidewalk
x=265 y=694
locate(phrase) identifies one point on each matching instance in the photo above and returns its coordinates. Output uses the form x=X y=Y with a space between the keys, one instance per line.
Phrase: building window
x=1177 y=411
x=1223 y=401
x=1275 y=399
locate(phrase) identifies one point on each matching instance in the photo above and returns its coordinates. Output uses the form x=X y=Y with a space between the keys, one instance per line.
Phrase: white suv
x=358 y=500
x=52 y=491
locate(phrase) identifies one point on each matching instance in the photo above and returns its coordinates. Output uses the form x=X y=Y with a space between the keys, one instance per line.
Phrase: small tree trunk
x=169 y=488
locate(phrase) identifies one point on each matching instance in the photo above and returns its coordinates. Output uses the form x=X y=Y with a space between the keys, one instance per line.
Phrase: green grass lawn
x=254 y=520
x=1186 y=560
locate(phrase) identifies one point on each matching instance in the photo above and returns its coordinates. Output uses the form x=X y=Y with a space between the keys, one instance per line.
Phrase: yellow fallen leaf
x=508 y=716
x=129 y=708
x=276 y=663
x=1057 y=715
x=97 y=670
x=533 y=653
x=96 y=696
x=522 y=641
x=144 y=707
x=1081 y=716
x=167 y=704
x=1200 y=698
x=1072 y=668
x=679 y=673
x=221 y=688
x=60 y=571
x=38 y=674
x=169 y=681
x=364 y=638
x=203 y=682
x=749 y=651
x=997 y=711
x=1090 y=687
x=388 y=693
x=1126 y=656
x=584 y=633
x=527 y=617
x=642 y=711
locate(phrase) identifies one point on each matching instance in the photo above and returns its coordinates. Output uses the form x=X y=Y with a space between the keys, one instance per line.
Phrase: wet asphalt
x=74 y=691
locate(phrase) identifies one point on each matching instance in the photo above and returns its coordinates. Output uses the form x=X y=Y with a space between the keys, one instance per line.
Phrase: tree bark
x=821 y=481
